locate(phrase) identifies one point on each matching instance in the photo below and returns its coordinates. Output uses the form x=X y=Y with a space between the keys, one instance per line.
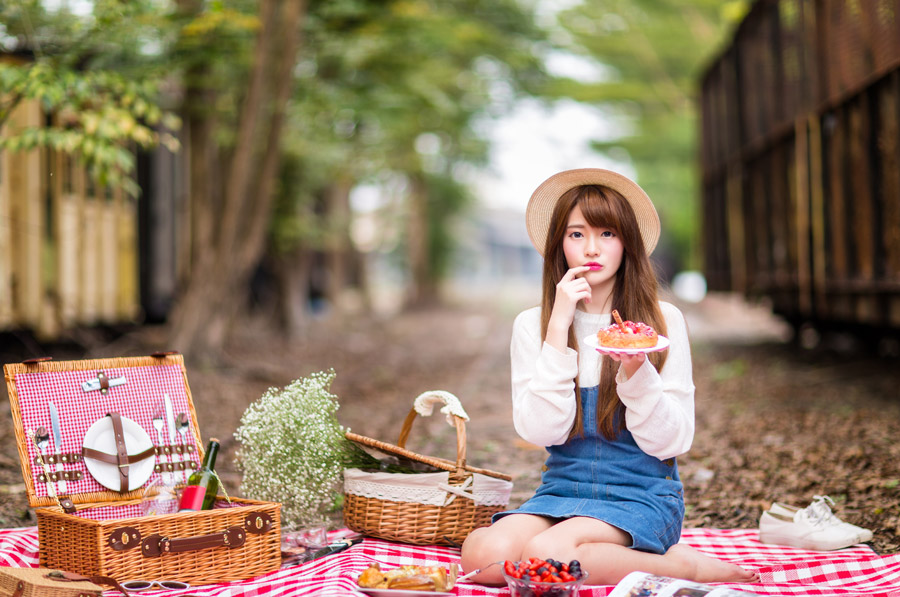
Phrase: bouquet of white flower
x=293 y=450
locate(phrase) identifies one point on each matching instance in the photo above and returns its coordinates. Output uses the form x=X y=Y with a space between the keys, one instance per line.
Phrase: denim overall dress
x=613 y=481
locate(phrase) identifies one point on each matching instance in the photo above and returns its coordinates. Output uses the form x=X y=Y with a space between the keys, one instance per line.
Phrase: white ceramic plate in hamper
x=101 y=437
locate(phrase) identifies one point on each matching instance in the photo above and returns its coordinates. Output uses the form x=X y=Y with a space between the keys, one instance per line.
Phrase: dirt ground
x=773 y=422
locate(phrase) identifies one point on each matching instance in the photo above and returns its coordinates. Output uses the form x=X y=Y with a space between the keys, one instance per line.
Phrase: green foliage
x=377 y=77
x=373 y=77
x=295 y=221
x=100 y=113
x=656 y=50
x=212 y=51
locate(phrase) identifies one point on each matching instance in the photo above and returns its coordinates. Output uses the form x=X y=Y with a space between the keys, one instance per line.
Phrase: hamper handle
x=63 y=576
x=156 y=545
x=459 y=423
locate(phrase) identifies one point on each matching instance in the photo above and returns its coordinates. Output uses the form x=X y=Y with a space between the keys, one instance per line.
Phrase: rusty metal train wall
x=800 y=161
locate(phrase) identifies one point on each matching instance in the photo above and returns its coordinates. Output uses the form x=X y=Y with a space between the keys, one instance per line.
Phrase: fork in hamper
x=158 y=423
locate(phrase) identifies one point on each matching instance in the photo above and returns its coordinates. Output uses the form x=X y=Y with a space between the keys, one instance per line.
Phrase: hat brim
x=544 y=198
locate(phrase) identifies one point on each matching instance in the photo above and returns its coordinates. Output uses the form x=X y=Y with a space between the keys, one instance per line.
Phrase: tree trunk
x=337 y=247
x=422 y=289
x=225 y=258
x=293 y=271
x=359 y=265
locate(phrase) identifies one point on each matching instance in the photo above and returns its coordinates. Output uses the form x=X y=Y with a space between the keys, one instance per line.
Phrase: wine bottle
x=203 y=484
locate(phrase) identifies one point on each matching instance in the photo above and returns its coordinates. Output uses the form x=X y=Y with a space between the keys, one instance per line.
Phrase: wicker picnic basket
x=42 y=582
x=424 y=508
x=95 y=530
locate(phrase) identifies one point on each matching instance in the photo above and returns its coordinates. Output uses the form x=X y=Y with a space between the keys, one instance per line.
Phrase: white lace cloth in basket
x=431 y=489
x=425 y=402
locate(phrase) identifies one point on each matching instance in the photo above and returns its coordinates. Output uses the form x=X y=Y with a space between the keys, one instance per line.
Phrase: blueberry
x=575 y=568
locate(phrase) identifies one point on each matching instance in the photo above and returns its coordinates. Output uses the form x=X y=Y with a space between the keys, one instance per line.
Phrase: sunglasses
x=146 y=585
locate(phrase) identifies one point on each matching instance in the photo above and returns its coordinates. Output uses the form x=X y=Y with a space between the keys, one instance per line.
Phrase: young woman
x=610 y=494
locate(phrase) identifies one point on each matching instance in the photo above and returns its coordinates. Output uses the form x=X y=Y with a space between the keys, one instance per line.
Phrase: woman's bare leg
x=602 y=550
x=503 y=540
x=706 y=568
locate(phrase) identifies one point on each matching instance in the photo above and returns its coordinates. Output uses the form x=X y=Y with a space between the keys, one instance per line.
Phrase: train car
x=800 y=162
x=74 y=254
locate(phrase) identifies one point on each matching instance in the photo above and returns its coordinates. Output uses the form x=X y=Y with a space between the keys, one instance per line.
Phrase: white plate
x=399 y=592
x=662 y=343
x=101 y=437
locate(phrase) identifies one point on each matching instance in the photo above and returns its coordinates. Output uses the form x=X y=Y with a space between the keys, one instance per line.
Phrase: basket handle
x=455 y=411
x=156 y=545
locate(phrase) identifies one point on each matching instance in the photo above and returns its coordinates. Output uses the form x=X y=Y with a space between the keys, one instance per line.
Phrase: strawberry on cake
x=627 y=334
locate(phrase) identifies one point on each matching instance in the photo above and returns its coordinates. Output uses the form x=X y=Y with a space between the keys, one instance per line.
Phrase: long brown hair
x=634 y=292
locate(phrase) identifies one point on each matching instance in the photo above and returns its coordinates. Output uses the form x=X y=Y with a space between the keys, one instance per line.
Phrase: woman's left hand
x=631 y=362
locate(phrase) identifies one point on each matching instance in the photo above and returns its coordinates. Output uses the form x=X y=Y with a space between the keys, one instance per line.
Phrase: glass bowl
x=160 y=497
x=521 y=587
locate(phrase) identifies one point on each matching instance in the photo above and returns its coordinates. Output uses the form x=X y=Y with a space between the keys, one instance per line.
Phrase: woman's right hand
x=570 y=289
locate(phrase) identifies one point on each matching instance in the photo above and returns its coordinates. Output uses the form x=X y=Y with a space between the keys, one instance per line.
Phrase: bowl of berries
x=535 y=577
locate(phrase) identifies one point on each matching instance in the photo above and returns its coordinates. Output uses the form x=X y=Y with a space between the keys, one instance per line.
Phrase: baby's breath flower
x=293 y=449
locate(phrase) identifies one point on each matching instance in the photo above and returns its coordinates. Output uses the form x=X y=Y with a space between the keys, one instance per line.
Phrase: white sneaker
x=814 y=527
x=820 y=504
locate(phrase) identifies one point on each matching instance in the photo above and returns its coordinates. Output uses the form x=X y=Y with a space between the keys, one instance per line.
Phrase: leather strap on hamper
x=121 y=458
x=156 y=545
x=64 y=576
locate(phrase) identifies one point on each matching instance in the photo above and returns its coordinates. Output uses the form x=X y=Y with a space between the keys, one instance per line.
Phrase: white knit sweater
x=659 y=406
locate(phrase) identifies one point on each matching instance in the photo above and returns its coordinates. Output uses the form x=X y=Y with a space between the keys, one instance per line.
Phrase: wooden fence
x=68 y=249
x=801 y=161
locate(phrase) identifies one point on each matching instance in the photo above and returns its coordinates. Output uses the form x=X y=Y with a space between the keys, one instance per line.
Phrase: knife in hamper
x=57 y=446
x=170 y=421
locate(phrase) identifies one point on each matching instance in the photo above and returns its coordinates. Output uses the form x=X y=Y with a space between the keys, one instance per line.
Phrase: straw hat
x=543 y=200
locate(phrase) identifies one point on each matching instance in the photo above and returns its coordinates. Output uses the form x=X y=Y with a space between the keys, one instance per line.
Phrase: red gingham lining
x=104 y=513
x=784 y=571
x=78 y=410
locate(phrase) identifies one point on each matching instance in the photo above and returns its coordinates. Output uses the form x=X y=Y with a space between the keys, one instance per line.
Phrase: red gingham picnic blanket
x=784 y=571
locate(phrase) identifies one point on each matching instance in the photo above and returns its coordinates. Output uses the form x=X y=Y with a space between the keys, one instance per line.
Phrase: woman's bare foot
x=702 y=568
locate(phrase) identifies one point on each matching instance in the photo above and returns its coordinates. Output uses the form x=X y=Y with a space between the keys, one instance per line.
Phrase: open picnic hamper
x=424 y=508
x=95 y=525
